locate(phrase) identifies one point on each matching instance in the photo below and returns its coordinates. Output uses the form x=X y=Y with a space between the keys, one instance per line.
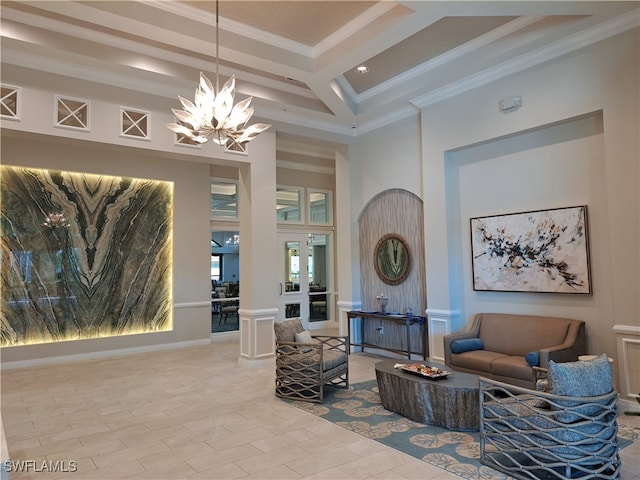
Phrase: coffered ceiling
x=297 y=58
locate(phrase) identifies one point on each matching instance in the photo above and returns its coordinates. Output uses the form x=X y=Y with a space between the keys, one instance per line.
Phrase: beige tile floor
x=191 y=413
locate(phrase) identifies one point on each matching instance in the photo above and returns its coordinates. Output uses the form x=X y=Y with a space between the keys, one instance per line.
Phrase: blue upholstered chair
x=568 y=432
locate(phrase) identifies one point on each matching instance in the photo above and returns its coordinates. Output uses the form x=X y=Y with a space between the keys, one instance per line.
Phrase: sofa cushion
x=519 y=334
x=475 y=359
x=466 y=345
x=512 y=366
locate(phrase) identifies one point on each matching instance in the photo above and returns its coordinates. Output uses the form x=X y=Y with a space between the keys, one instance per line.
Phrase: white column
x=628 y=364
x=258 y=243
x=347 y=247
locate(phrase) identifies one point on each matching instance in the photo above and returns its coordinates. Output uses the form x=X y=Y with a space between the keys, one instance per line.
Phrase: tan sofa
x=498 y=344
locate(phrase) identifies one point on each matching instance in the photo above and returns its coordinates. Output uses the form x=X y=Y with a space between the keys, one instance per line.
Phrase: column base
x=257 y=338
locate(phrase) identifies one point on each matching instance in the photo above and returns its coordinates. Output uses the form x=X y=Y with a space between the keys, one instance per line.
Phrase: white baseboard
x=225 y=336
x=625 y=405
x=102 y=354
x=265 y=363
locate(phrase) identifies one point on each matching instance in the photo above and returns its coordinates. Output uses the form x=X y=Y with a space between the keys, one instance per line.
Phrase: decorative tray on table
x=426 y=371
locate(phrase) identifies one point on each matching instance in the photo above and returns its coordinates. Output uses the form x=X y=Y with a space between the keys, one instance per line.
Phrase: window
x=10 y=102
x=288 y=205
x=71 y=113
x=224 y=199
x=183 y=139
x=239 y=148
x=320 y=207
x=134 y=123
x=216 y=267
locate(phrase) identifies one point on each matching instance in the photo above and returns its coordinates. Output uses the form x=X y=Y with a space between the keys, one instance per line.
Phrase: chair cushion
x=333 y=358
x=466 y=345
x=310 y=361
x=286 y=331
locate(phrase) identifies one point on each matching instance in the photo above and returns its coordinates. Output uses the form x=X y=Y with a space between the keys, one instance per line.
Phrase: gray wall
x=400 y=212
x=191 y=321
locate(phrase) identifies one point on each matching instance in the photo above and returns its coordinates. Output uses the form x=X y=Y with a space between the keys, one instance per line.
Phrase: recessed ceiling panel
x=437 y=39
x=301 y=21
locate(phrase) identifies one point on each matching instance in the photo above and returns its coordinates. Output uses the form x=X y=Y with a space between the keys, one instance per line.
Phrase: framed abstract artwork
x=544 y=251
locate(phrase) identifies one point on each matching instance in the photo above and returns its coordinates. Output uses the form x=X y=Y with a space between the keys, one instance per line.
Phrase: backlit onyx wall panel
x=83 y=256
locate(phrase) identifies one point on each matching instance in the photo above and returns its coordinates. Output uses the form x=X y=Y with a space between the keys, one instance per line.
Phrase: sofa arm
x=569 y=350
x=473 y=332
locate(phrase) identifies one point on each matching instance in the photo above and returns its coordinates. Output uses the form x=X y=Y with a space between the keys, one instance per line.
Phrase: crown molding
x=562 y=47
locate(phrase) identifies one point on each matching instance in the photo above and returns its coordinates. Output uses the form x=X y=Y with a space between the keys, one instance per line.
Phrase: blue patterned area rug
x=359 y=409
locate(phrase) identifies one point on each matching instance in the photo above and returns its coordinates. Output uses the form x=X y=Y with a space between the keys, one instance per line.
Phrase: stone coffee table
x=452 y=403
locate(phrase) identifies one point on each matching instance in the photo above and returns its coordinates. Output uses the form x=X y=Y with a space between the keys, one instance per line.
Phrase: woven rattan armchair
x=306 y=366
x=529 y=434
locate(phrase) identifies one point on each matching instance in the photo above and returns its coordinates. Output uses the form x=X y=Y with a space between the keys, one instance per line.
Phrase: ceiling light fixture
x=362 y=69
x=213 y=115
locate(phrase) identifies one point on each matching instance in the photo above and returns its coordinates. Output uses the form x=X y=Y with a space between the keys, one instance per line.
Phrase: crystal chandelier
x=213 y=116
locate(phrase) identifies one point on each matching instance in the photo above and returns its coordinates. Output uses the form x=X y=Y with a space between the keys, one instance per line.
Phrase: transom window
x=224 y=199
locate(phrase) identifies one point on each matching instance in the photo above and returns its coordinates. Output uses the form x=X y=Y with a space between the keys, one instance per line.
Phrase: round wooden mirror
x=392 y=259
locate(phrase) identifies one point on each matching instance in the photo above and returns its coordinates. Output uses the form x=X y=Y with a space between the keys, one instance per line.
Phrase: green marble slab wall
x=83 y=256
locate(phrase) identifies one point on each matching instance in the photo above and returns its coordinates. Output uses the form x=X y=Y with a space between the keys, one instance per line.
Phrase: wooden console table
x=405 y=320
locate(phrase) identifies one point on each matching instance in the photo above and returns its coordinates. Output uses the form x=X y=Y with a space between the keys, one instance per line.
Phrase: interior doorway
x=225 y=281
x=306 y=287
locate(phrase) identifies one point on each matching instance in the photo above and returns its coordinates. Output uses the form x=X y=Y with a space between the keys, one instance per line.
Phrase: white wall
x=192 y=315
x=478 y=161
x=574 y=142
x=387 y=158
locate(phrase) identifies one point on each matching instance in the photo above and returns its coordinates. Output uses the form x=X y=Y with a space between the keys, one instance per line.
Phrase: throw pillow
x=466 y=345
x=304 y=337
x=580 y=379
x=532 y=358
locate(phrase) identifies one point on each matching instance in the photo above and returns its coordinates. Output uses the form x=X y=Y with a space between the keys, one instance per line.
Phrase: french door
x=305 y=278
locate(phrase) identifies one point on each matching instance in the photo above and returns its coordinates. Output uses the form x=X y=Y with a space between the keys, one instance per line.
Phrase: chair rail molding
x=205 y=303
x=439 y=325
x=628 y=353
